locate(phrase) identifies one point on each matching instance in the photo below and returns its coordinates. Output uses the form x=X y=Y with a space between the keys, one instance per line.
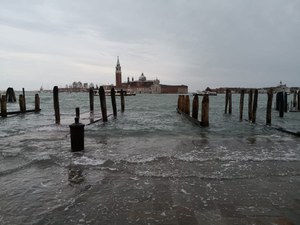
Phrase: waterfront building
x=145 y=86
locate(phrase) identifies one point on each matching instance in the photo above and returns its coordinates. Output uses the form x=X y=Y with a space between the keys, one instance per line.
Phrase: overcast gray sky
x=251 y=43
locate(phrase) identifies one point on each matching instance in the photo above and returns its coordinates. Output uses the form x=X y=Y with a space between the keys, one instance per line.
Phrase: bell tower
x=118 y=74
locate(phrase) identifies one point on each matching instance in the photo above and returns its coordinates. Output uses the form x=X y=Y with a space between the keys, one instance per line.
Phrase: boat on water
x=201 y=93
x=282 y=88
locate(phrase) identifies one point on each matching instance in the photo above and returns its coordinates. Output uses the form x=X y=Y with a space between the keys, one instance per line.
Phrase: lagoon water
x=148 y=166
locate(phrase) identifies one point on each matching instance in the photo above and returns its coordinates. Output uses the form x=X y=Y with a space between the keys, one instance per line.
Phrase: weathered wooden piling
x=77 y=135
x=178 y=102
x=10 y=95
x=181 y=103
x=242 y=104
x=56 y=105
x=230 y=102
x=91 y=97
x=24 y=98
x=299 y=100
x=280 y=103
x=113 y=102
x=103 y=104
x=226 y=100
x=295 y=100
x=22 y=104
x=254 y=106
x=187 y=104
x=205 y=111
x=250 y=105
x=269 y=107
x=195 y=108
x=122 y=101
x=37 y=103
x=285 y=102
x=3 y=106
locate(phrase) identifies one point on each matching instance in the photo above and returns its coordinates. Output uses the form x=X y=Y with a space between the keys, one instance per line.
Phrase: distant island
x=139 y=86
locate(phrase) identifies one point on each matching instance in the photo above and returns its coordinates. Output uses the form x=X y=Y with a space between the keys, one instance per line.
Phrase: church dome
x=142 y=77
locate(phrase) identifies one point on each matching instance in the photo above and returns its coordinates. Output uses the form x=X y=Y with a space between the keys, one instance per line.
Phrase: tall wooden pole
x=242 y=104
x=103 y=103
x=22 y=103
x=195 y=108
x=250 y=105
x=230 y=102
x=269 y=107
x=3 y=106
x=113 y=101
x=56 y=105
x=254 y=106
x=178 y=102
x=281 y=103
x=91 y=97
x=226 y=100
x=299 y=100
x=122 y=101
x=37 y=103
x=187 y=104
x=24 y=99
x=205 y=111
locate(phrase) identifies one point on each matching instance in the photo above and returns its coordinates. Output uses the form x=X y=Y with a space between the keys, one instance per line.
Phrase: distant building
x=142 y=85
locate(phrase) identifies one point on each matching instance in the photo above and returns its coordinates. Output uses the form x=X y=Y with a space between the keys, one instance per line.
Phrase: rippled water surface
x=150 y=165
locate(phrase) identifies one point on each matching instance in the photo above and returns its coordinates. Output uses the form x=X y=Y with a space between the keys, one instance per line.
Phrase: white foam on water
x=88 y=161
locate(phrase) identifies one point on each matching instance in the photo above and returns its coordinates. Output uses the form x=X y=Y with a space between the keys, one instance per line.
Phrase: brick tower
x=118 y=74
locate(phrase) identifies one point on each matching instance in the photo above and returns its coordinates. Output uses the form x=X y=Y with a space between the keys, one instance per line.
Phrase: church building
x=142 y=85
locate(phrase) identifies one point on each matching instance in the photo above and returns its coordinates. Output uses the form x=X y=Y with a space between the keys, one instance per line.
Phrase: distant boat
x=201 y=93
x=282 y=88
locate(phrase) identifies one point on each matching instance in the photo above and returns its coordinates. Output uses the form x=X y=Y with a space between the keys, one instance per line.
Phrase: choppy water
x=147 y=153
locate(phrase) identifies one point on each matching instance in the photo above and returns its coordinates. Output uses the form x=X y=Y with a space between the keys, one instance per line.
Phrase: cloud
x=198 y=43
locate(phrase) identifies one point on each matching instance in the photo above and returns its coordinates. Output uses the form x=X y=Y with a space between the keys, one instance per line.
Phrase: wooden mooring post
x=56 y=105
x=242 y=104
x=24 y=99
x=113 y=102
x=269 y=107
x=250 y=105
x=91 y=97
x=103 y=104
x=3 y=106
x=228 y=101
x=195 y=108
x=77 y=135
x=187 y=104
x=254 y=106
x=299 y=100
x=183 y=108
x=280 y=102
x=37 y=103
x=205 y=111
x=122 y=101
x=22 y=104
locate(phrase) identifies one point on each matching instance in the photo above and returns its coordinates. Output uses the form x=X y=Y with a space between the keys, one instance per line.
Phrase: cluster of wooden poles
x=77 y=129
x=22 y=104
x=102 y=98
x=183 y=107
x=281 y=104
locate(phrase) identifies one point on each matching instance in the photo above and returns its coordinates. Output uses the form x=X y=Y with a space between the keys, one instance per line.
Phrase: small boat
x=282 y=88
x=201 y=93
